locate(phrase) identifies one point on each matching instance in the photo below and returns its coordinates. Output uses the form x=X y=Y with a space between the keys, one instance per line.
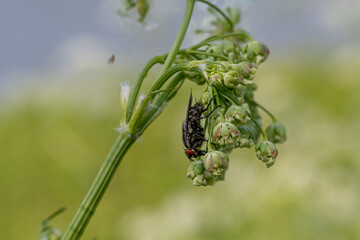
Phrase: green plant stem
x=218 y=37
x=167 y=74
x=208 y=54
x=99 y=186
x=180 y=37
x=221 y=13
x=264 y=109
x=135 y=90
x=257 y=125
x=121 y=145
x=174 y=85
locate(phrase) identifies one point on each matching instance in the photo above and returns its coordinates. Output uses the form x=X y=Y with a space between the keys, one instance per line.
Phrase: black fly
x=193 y=132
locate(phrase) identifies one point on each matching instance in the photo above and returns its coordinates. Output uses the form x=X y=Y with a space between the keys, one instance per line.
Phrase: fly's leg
x=209 y=104
x=206 y=116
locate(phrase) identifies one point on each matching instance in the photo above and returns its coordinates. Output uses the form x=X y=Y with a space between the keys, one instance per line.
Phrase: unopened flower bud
x=205 y=98
x=219 y=116
x=195 y=77
x=216 y=162
x=227 y=47
x=226 y=136
x=124 y=94
x=266 y=151
x=246 y=69
x=215 y=49
x=231 y=79
x=216 y=80
x=142 y=7
x=256 y=51
x=237 y=115
x=276 y=132
x=198 y=174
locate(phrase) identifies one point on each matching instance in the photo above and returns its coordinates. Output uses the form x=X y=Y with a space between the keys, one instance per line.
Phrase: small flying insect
x=111 y=59
x=193 y=132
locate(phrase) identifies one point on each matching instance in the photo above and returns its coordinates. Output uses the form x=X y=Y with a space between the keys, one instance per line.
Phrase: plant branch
x=135 y=90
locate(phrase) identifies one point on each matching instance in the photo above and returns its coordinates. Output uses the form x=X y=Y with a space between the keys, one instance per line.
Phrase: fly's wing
x=187 y=112
x=185 y=137
x=185 y=127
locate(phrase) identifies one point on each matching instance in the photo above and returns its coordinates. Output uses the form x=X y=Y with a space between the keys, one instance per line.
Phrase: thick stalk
x=180 y=37
x=99 y=186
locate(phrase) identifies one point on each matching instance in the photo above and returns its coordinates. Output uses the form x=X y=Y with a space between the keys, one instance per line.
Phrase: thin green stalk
x=264 y=109
x=167 y=74
x=257 y=125
x=135 y=90
x=221 y=13
x=214 y=38
x=208 y=54
x=234 y=100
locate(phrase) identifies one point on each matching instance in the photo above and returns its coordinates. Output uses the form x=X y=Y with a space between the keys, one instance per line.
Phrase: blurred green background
x=56 y=131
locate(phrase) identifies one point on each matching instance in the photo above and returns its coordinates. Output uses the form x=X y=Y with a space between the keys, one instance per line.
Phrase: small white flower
x=124 y=94
x=141 y=98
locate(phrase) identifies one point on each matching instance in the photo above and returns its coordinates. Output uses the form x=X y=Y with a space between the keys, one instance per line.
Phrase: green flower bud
x=216 y=80
x=216 y=162
x=215 y=49
x=226 y=136
x=246 y=69
x=219 y=116
x=233 y=57
x=239 y=91
x=227 y=47
x=198 y=174
x=247 y=137
x=231 y=79
x=256 y=51
x=205 y=98
x=276 y=132
x=266 y=151
x=237 y=115
x=142 y=7
x=195 y=77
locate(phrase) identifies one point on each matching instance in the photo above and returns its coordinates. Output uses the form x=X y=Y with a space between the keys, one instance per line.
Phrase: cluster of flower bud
x=253 y=51
x=208 y=170
x=234 y=129
x=222 y=74
x=229 y=69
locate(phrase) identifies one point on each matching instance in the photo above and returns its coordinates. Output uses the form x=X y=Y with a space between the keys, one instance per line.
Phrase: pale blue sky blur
x=40 y=35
